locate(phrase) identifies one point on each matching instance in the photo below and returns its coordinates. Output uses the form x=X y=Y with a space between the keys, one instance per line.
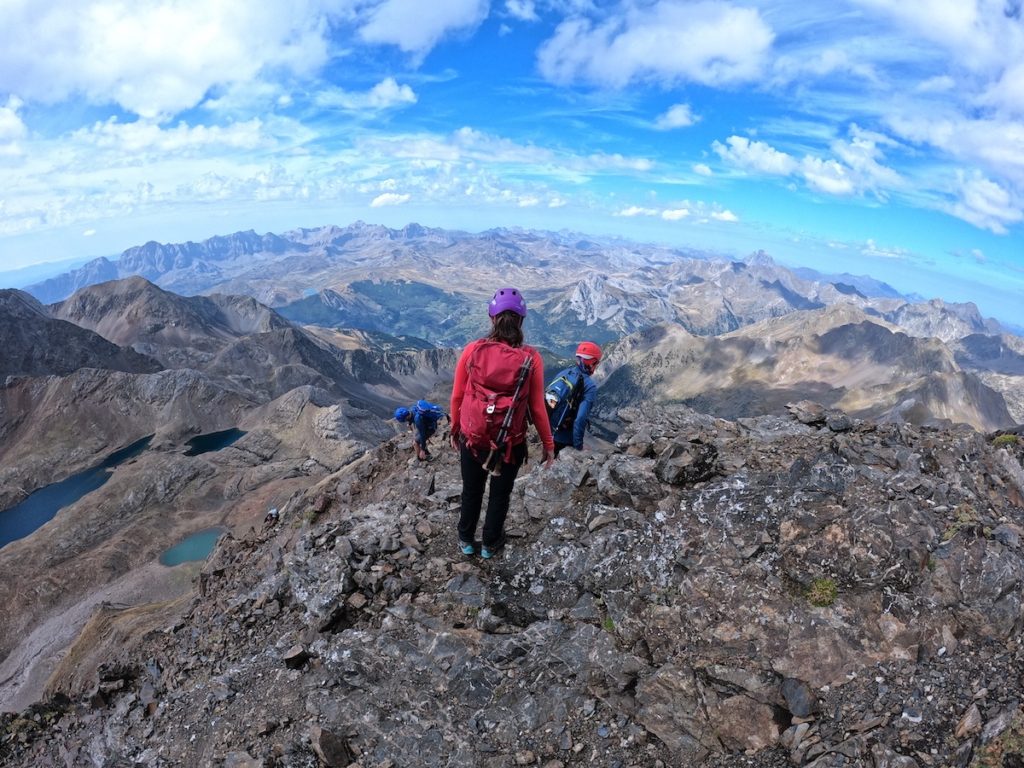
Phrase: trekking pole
x=494 y=458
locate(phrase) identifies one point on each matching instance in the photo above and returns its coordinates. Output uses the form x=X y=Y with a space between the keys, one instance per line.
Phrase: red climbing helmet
x=507 y=299
x=589 y=355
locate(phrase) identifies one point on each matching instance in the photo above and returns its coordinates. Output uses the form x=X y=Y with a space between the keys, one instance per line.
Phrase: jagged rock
x=686 y=463
x=633 y=621
x=807 y=412
x=800 y=699
x=332 y=751
x=296 y=657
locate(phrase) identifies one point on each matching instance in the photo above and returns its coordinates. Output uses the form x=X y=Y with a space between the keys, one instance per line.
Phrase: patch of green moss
x=1006 y=749
x=822 y=592
x=1004 y=441
x=608 y=624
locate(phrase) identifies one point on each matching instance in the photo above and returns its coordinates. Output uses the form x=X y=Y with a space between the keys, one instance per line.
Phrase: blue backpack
x=562 y=397
x=433 y=413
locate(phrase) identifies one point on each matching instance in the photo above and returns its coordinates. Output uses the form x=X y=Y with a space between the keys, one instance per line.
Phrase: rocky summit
x=808 y=590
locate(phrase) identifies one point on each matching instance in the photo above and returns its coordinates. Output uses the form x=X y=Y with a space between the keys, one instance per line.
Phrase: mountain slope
x=179 y=331
x=707 y=594
x=839 y=356
x=32 y=343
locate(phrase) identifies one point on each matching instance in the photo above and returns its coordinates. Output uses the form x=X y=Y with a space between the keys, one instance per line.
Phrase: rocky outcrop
x=807 y=590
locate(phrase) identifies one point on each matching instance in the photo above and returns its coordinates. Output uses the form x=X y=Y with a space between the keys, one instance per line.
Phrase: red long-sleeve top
x=534 y=393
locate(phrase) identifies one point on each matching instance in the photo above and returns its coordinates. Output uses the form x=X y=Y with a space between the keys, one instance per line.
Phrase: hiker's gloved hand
x=454 y=440
x=548 y=459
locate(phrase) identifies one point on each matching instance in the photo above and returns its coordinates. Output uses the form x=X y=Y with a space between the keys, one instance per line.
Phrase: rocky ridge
x=806 y=590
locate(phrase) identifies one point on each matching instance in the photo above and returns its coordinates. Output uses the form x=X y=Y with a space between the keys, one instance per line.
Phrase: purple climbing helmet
x=507 y=299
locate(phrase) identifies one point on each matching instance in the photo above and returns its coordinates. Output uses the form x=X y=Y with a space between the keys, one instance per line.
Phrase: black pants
x=559 y=446
x=474 y=480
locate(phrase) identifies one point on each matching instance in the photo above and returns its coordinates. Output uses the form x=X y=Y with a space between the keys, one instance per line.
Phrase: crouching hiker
x=571 y=396
x=423 y=419
x=498 y=381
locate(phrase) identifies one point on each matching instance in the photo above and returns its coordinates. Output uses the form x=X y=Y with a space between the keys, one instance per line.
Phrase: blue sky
x=869 y=136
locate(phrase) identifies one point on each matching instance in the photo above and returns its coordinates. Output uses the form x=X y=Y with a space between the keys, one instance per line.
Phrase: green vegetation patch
x=1005 y=750
x=822 y=592
x=1004 y=441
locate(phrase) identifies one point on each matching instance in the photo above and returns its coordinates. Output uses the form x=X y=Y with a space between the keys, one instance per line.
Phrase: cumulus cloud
x=677 y=116
x=12 y=129
x=384 y=95
x=389 y=198
x=855 y=168
x=827 y=176
x=674 y=214
x=668 y=41
x=726 y=215
x=985 y=204
x=528 y=201
x=157 y=57
x=756 y=156
x=11 y=126
x=416 y=26
x=702 y=169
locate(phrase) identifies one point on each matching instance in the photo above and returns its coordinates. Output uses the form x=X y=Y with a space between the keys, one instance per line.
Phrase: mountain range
x=304 y=342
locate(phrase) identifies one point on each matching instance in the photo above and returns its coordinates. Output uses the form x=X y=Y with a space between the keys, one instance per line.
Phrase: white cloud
x=144 y=136
x=985 y=204
x=668 y=41
x=528 y=201
x=827 y=176
x=702 y=169
x=416 y=26
x=871 y=248
x=89 y=233
x=674 y=214
x=634 y=210
x=728 y=216
x=389 y=198
x=384 y=95
x=755 y=155
x=937 y=84
x=11 y=126
x=524 y=10
x=677 y=116
x=157 y=57
x=557 y=202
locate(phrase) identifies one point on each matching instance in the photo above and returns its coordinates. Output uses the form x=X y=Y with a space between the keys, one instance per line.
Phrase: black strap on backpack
x=493 y=461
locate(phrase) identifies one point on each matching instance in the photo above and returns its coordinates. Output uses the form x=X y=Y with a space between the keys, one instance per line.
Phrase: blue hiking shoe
x=468 y=548
x=487 y=551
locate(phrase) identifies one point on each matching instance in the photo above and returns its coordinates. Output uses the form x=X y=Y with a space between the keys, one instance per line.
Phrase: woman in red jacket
x=494 y=376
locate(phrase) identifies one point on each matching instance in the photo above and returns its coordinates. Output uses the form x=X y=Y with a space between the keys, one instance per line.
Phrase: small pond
x=198 y=546
x=212 y=441
x=42 y=505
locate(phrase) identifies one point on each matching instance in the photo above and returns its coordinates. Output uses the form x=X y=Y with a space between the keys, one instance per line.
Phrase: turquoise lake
x=198 y=546
x=42 y=505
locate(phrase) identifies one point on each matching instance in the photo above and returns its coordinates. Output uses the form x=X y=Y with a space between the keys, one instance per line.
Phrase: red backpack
x=493 y=370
